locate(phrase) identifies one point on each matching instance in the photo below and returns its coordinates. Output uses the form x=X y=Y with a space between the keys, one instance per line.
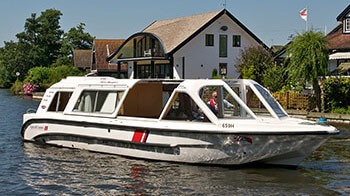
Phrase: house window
x=223 y=69
x=347 y=25
x=209 y=40
x=236 y=41
x=223 y=46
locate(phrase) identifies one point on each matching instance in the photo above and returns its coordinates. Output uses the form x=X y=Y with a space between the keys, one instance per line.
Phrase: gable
x=344 y=14
x=175 y=33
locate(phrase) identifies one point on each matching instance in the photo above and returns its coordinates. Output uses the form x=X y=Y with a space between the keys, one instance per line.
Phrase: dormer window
x=347 y=25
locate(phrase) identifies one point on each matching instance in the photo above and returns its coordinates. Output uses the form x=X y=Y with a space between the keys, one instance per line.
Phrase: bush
x=214 y=73
x=336 y=93
x=17 y=88
x=45 y=77
x=274 y=79
x=254 y=62
x=341 y=110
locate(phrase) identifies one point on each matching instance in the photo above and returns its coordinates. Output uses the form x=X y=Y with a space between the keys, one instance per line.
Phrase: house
x=339 y=44
x=186 y=47
x=101 y=50
x=279 y=54
x=82 y=59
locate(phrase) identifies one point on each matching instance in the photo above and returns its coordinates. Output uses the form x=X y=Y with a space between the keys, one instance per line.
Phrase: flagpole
x=307 y=19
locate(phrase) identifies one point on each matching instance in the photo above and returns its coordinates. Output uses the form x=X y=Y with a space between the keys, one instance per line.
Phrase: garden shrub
x=336 y=93
x=341 y=110
x=17 y=88
x=45 y=77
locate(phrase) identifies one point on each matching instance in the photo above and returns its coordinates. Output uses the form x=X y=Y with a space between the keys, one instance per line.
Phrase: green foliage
x=308 y=56
x=336 y=93
x=45 y=77
x=76 y=38
x=308 y=59
x=254 y=62
x=273 y=78
x=214 y=73
x=42 y=36
x=248 y=73
x=17 y=88
x=41 y=44
x=341 y=110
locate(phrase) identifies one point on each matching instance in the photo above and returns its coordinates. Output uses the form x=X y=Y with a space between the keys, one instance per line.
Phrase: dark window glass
x=223 y=46
x=60 y=101
x=209 y=40
x=236 y=41
x=223 y=69
x=184 y=108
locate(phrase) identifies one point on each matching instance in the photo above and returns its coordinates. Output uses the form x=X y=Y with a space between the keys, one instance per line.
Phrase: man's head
x=214 y=95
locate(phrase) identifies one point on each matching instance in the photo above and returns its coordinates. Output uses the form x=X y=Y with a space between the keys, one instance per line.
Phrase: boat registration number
x=228 y=125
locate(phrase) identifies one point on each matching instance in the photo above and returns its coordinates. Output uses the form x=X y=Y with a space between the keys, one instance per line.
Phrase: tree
x=13 y=58
x=308 y=59
x=75 y=39
x=42 y=37
x=274 y=78
x=254 y=62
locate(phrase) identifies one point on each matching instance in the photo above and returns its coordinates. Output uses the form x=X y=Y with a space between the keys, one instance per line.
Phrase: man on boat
x=213 y=103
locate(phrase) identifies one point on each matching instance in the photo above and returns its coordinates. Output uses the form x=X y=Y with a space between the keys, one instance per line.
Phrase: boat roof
x=190 y=84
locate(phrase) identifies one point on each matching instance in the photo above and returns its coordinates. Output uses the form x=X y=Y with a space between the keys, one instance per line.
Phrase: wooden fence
x=294 y=100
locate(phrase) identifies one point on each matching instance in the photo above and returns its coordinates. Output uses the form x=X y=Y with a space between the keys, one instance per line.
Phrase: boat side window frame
x=78 y=93
x=245 y=109
x=58 y=101
x=199 y=104
x=263 y=100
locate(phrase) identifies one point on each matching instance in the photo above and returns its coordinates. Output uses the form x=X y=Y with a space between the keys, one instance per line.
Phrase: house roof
x=176 y=32
x=343 y=13
x=101 y=46
x=82 y=58
x=337 y=40
x=281 y=51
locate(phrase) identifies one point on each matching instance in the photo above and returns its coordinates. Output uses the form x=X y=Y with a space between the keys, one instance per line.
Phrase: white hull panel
x=178 y=146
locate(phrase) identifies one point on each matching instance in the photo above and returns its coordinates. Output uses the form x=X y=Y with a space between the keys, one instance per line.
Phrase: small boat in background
x=191 y=121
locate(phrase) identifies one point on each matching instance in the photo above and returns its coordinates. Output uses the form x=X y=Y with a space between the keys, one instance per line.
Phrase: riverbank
x=331 y=117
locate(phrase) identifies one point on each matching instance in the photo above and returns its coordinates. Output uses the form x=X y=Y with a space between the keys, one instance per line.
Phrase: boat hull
x=220 y=148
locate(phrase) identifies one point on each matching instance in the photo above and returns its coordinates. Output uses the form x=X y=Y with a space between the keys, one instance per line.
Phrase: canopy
x=339 y=55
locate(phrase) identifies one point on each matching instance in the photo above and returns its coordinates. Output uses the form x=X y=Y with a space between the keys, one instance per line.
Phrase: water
x=31 y=169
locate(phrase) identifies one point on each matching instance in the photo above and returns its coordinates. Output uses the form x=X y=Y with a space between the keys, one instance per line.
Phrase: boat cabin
x=183 y=100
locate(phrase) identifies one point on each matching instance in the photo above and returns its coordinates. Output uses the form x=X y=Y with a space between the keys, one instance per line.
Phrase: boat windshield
x=270 y=100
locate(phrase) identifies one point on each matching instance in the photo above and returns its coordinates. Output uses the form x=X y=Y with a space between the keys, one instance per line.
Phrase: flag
x=303 y=14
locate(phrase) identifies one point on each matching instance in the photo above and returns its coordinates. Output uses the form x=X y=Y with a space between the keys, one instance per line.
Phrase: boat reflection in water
x=55 y=171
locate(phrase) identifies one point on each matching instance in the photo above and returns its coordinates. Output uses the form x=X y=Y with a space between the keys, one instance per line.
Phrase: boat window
x=222 y=103
x=98 y=101
x=254 y=103
x=59 y=101
x=270 y=100
x=183 y=107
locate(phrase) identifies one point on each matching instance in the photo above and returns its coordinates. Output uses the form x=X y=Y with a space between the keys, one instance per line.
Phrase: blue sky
x=271 y=20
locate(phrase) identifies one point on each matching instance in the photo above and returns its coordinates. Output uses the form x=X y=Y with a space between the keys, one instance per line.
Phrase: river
x=31 y=169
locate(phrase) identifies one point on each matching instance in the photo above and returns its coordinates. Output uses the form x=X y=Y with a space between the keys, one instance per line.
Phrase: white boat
x=172 y=120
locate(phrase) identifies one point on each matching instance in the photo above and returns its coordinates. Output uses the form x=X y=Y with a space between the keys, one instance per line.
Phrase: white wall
x=197 y=54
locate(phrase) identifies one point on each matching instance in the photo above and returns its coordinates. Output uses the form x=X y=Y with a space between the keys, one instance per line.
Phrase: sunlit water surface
x=31 y=169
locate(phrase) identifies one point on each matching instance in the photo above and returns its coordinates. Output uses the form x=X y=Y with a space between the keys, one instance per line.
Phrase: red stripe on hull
x=137 y=136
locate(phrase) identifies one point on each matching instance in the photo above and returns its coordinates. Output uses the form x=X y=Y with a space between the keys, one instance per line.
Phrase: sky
x=272 y=21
